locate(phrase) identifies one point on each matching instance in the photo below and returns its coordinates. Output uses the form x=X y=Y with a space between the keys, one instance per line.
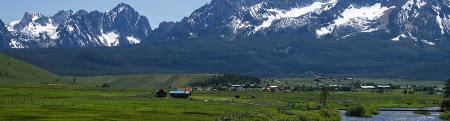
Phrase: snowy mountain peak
x=31 y=16
x=121 y=7
x=417 y=22
x=401 y=20
x=81 y=12
x=120 y=26
x=62 y=16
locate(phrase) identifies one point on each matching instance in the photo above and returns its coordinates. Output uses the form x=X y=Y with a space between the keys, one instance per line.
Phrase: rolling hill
x=16 y=72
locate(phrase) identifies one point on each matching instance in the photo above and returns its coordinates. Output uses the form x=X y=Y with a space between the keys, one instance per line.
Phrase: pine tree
x=445 y=105
x=324 y=96
x=447 y=89
x=74 y=80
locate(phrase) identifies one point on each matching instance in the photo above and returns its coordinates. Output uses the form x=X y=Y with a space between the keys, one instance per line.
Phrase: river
x=395 y=116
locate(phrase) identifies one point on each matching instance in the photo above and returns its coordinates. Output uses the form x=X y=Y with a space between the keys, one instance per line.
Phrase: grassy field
x=60 y=102
x=56 y=102
x=30 y=93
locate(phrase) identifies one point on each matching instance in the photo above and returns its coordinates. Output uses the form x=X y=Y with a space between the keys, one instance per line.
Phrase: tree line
x=227 y=80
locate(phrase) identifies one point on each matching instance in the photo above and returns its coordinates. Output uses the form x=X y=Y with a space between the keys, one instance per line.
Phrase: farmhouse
x=271 y=88
x=185 y=89
x=199 y=88
x=383 y=86
x=237 y=87
x=345 y=88
x=368 y=87
x=333 y=85
x=180 y=94
x=161 y=93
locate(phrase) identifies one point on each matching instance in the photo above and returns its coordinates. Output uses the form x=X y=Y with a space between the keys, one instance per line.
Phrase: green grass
x=56 y=103
x=30 y=93
x=68 y=102
x=331 y=115
x=445 y=115
x=16 y=72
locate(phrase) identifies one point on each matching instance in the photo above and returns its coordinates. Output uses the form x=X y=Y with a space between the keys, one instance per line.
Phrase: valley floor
x=56 y=102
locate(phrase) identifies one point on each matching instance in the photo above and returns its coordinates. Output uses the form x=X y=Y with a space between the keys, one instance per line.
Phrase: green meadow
x=31 y=93
x=57 y=102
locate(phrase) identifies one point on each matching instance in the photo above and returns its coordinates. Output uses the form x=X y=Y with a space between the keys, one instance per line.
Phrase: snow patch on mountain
x=359 y=17
x=109 y=39
x=133 y=40
x=11 y=25
x=412 y=37
x=439 y=21
x=35 y=29
x=408 y=5
x=428 y=42
x=237 y=24
x=15 y=44
x=408 y=9
x=420 y=3
x=399 y=37
x=70 y=28
x=446 y=23
x=35 y=16
x=292 y=13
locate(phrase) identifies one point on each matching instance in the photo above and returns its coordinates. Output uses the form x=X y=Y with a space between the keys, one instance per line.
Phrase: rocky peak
x=62 y=16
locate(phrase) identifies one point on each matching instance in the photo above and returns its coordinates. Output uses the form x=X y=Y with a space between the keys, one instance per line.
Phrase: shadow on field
x=199 y=113
x=22 y=118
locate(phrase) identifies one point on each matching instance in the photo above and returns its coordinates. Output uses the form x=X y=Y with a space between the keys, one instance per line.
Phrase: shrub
x=309 y=116
x=361 y=111
x=330 y=115
x=422 y=112
x=322 y=115
x=445 y=105
x=445 y=115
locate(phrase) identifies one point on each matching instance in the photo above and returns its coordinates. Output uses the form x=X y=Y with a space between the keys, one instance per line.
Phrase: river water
x=395 y=116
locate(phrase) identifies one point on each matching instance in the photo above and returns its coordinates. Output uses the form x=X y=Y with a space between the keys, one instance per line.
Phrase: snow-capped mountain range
x=420 y=22
x=66 y=29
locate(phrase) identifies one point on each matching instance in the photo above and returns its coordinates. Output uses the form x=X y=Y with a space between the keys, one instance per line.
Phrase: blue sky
x=156 y=10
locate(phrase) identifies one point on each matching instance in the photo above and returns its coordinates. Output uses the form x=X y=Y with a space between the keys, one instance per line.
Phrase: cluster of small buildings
x=350 y=87
x=341 y=87
x=242 y=87
x=186 y=92
x=376 y=87
x=232 y=87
